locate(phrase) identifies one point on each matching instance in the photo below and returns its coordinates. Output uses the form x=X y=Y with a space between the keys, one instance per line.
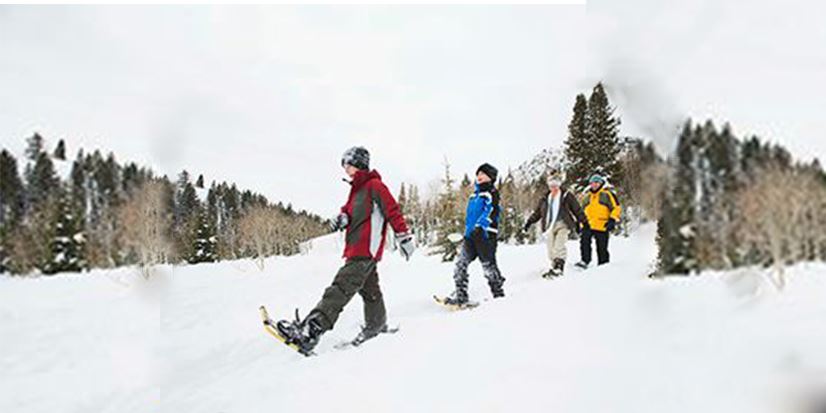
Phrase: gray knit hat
x=356 y=156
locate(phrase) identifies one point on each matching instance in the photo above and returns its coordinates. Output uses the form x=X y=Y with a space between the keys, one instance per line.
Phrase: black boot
x=559 y=267
x=367 y=333
x=459 y=297
x=305 y=334
x=495 y=279
x=496 y=290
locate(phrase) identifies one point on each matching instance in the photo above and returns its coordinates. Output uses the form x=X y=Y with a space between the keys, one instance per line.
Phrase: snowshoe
x=301 y=336
x=454 y=304
x=366 y=334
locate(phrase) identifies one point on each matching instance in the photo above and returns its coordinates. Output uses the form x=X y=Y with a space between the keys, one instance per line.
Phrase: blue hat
x=597 y=178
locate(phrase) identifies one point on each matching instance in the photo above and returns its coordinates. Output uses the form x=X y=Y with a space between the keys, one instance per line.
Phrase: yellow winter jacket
x=599 y=207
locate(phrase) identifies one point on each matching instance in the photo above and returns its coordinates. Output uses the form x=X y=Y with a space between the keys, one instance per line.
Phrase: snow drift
x=605 y=340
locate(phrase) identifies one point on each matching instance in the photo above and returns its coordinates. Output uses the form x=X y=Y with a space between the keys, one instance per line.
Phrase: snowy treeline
x=729 y=203
x=103 y=214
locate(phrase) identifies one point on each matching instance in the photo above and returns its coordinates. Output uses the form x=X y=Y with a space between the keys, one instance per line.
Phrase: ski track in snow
x=603 y=340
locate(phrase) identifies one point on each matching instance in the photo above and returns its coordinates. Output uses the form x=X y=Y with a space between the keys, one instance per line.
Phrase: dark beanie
x=356 y=156
x=489 y=170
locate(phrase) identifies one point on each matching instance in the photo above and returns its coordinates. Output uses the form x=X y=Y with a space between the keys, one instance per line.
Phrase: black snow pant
x=485 y=249
x=358 y=275
x=601 y=238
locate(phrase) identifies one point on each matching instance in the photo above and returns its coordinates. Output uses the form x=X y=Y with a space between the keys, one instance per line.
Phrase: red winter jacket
x=370 y=208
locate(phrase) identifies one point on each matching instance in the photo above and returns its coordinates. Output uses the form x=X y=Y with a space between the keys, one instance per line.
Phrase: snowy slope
x=605 y=340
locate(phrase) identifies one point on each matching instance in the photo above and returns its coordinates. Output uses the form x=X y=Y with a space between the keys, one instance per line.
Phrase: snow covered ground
x=605 y=340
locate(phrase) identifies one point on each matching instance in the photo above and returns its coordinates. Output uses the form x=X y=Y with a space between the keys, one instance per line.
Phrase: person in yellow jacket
x=603 y=213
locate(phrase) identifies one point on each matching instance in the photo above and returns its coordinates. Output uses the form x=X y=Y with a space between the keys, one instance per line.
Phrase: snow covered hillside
x=605 y=340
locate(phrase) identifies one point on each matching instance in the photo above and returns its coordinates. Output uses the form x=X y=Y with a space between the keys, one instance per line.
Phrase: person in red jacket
x=369 y=210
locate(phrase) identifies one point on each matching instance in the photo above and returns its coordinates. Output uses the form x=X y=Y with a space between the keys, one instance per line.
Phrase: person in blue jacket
x=481 y=227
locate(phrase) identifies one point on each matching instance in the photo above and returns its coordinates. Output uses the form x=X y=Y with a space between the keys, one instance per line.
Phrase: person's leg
x=602 y=246
x=585 y=246
x=486 y=248
x=549 y=243
x=460 y=276
x=348 y=281
x=560 y=248
x=375 y=314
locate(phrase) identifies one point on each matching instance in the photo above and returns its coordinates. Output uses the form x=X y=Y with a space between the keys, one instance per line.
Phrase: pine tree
x=603 y=133
x=104 y=196
x=79 y=185
x=11 y=190
x=109 y=181
x=132 y=178
x=34 y=146
x=593 y=144
x=186 y=200
x=402 y=201
x=40 y=190
x=676 y=227
x=414 y=215
x=580 y=157
x=186 y=215
x=11 y=206
x=42 y=180
x=719 y=186
x=509 y=225
x=60 y=150
x=466 y=188
x=204 y=242
x=449 y=218
x=200 y=182
x=67 y=243
x=213 y=203
x=228 y=227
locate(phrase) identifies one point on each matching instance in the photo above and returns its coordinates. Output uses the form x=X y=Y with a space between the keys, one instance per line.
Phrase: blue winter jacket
x=483 y=210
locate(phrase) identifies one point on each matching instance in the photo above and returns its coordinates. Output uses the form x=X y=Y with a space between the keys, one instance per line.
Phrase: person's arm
x=389 y=208
x=484 y=220
x=535 y=216
x=393 y=214
x=576 y=208
x=616 y=209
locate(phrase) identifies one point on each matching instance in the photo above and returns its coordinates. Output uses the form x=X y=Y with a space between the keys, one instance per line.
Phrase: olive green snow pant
x=358 y=275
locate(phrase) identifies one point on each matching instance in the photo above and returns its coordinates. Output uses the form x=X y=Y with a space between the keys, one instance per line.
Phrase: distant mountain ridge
x=533 y=169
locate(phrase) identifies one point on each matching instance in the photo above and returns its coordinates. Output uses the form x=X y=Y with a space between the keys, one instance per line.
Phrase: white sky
x=269 y=97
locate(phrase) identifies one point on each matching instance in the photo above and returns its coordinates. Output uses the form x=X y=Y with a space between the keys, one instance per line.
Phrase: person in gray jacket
x=559 y=214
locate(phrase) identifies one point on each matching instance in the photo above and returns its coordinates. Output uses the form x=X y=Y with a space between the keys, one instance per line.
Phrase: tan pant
x=557 y=236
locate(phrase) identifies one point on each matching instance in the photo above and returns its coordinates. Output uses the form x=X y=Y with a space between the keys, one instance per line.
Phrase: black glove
x=525 y=227
x=610 y=225
x=406 y=244
x=340 y=222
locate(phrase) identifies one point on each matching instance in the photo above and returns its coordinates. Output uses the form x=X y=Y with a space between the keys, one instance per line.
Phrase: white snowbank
x=605 y=340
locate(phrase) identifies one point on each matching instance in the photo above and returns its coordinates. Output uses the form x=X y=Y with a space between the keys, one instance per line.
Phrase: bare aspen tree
x=819 y=222
x=652 y=180
x=779 y=217
x=257 y=232
x=144 y=222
